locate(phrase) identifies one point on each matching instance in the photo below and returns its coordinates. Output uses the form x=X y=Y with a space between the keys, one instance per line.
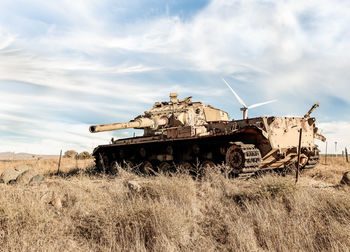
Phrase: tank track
x=312 y=162
x=250 y=163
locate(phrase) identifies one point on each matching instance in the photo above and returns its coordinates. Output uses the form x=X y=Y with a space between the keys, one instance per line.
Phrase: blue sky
x=65 y=65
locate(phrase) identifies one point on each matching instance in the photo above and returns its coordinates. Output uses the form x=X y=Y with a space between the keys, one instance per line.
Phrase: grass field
x=48 y=166
x=128 y=213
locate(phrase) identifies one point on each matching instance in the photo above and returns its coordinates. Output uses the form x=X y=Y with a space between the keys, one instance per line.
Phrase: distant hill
x=23 y=156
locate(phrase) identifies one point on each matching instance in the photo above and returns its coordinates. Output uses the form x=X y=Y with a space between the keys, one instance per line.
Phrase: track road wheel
x=185 y=167
x=206 y=166
x=128 y=166
x=147 y=168
x=164 y=168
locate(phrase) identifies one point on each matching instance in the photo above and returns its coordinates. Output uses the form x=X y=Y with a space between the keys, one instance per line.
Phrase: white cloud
x=51 y=137
x=335 y=131
x=295 y=51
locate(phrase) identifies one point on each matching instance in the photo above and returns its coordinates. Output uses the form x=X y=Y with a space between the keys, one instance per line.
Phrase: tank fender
x=236 y=143
x=252 y=128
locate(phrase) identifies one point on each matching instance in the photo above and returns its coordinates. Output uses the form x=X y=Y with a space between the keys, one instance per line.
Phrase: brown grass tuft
x=102 y=213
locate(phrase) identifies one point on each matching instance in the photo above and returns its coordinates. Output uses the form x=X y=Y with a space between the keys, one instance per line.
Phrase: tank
x=194 y=136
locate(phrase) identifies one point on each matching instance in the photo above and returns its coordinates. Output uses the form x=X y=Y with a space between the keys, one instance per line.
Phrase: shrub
x=70 y=154
x=84 y=155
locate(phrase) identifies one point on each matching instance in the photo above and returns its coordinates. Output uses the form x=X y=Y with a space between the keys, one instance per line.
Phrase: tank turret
x=175 y=113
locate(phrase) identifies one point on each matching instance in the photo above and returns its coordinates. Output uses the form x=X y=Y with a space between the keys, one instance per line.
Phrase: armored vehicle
x=191 y=134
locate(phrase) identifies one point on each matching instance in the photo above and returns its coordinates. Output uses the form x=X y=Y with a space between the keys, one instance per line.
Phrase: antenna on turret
x=245 y=107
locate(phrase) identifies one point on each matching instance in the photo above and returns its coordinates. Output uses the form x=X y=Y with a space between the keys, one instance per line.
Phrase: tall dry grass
x=177 y=213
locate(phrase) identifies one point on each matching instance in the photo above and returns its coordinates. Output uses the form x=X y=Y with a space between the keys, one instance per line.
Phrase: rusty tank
x=192 y=135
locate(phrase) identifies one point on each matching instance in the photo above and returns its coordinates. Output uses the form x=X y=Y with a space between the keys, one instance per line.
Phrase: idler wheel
x=235 y=158
x=99 y=167
x=114 y=168
x=102 y=163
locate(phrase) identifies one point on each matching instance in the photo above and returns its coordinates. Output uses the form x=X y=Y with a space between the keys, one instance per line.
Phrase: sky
x=65 y=65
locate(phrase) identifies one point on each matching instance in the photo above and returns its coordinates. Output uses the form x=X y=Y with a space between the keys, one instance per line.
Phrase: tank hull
x=246 y=146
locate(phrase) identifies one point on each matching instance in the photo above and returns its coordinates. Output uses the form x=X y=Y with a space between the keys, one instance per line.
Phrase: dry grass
x=48 y=166
x=177 y=213
x=330 y=172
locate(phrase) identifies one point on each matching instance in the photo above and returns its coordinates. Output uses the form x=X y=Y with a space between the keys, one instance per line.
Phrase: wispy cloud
x=68 y=64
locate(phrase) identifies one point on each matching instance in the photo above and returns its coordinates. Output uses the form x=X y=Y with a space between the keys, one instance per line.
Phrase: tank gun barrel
x=138 y=123
x=307 y=115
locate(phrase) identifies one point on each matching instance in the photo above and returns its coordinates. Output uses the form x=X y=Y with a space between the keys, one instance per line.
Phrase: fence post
x=299 y=149
x=346 y=155
x=335 y=149
x=76 y=161
x=325 y=158
x=59 y=163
